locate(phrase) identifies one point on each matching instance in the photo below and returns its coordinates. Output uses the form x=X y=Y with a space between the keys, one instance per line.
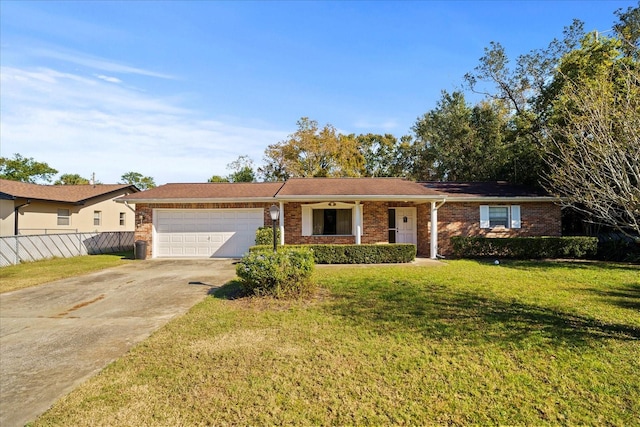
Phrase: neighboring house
x=43 y=209
x=220 y=219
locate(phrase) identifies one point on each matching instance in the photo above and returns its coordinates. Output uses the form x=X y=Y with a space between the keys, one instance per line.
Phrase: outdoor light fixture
x=275 y=214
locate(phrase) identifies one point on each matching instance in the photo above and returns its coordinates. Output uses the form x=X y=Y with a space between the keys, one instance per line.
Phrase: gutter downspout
x=16 y=213
x=433 y=251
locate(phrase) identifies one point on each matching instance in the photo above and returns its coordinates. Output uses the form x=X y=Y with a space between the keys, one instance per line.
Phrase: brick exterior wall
x=454 y=219
x=463 y=219
x=375 y=228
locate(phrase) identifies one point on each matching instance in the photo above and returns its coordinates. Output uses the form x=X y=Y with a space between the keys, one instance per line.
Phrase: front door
x=402 y=225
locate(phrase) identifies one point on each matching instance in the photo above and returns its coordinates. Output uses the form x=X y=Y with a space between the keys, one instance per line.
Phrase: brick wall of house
x=454 y=219
x=375 y=225
x=463 y=219
x=293 y=229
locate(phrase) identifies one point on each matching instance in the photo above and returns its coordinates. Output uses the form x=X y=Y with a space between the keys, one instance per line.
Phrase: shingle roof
x=209 y=191
x=58 y=193
x=342 y=188
x=494 y=189
x=395 y=187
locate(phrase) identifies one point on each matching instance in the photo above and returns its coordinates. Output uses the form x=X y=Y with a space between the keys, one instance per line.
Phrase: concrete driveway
x=55 y=336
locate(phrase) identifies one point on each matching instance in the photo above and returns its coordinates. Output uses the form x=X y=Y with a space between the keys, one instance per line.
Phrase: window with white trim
x=97 y=218
x=500 y=216
x=328 y=219
x=123 y=219
x=328 y=222
x=64 y=217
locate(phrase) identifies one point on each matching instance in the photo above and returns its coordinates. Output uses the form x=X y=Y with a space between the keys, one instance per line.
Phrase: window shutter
x=484 y=216
x=307 y=220
x=515 y=216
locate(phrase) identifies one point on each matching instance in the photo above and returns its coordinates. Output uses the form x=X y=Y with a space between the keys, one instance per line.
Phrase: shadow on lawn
x=627 y=296
x=230 y=290
x=568 y=264
x=437 y=313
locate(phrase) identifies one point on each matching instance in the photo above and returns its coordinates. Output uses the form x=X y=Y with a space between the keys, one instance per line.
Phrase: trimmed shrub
x=525 y=247
x=283 y=274
x=356 y=254
x=616 y=248
x=264 y=236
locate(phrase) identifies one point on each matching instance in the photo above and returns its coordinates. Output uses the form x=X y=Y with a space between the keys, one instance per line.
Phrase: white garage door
x=225 y=233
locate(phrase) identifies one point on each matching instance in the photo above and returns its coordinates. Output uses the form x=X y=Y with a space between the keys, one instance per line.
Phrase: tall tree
x=628 y=31
x=71 y=179
x=458 y=142
x=25 y=169
x=526 y=90
x=312 y=152
x=137 y=179
x=594 y=157
x=381 y=155
x=242 y=170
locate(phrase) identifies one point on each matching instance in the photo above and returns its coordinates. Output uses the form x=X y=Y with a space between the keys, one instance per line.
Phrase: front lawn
x=527 y=343
x=34 y=273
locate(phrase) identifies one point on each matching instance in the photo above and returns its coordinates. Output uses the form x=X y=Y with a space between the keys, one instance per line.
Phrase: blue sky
x=177 y=90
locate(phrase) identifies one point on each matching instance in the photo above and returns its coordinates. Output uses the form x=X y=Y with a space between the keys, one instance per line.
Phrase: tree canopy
x=25 y=169
x=71 y=179
x=241 y=170
x=312 y=152
x=594 y=130
x=137 y=179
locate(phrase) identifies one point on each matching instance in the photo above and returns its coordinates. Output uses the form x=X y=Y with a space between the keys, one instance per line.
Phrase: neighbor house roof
x=483 y=191
x=58 y=193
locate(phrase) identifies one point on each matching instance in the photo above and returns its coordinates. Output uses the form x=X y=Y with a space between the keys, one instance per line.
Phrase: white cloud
x=84 y=125
x=94 y=62
x=108 y=78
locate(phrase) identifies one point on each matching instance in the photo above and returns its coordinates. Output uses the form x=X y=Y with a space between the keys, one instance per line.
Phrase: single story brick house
x=220 y=219
x=27 y=208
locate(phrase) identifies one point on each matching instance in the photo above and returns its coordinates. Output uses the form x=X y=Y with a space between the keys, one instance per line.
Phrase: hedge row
x=618 y=249
x=355 y=254
x=525 y=247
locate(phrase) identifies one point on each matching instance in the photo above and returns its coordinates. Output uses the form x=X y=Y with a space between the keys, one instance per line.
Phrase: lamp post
x=275 y=214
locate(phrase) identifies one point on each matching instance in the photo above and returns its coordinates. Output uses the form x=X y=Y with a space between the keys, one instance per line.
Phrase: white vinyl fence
x=17 y=249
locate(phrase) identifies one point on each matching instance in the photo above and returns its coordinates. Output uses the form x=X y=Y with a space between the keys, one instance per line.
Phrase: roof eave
x=351 y=197
x=200 y=200
x=503 y=199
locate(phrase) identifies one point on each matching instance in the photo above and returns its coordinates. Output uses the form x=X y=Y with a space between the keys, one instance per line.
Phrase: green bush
x=356 y=254
x=525 y=247
x=282 y=274
x=264 y=236
x=611 y=248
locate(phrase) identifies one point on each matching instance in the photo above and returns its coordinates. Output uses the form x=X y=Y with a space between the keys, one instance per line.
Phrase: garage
x=220 y=233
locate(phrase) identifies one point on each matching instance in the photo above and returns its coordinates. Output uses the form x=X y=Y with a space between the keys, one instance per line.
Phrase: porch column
x=281 y=223
x=434 y=231
x=358 y=223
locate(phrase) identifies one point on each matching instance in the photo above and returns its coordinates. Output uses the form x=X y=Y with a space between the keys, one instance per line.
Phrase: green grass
x=528 y=343
x=34 y=273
